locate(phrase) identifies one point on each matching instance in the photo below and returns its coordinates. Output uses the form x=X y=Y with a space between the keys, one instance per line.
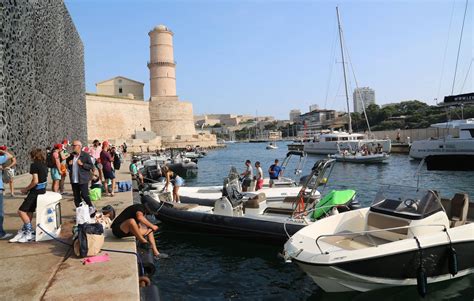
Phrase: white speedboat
x=328 y=143
x=448 y=147
x=408 y=236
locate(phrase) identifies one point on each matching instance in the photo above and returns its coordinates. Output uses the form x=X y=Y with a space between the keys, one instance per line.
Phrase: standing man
x=274 y=171
x=4 y=157
x=259 y=176
x=247 y=175
x=80 y=165
x=8 y=171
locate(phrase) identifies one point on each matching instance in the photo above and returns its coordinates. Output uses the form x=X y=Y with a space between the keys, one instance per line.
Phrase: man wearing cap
x=4 y=157
x=8 y=171
x=80 y=165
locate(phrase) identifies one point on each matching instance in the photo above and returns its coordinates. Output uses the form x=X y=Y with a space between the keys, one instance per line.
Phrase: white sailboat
x=330 y=142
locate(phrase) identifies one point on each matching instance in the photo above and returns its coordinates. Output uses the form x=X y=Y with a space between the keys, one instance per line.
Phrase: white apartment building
x=366 y=94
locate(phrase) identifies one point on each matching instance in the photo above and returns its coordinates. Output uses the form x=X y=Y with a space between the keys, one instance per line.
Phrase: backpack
x=89 y=240
x=50 y=162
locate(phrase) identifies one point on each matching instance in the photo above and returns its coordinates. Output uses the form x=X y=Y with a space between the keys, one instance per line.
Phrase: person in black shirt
x=37 y=186
x=132 y=222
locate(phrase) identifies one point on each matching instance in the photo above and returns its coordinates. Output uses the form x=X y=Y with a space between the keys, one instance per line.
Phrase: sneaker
x=17 y=237
x=28 y=236
x=6 y=235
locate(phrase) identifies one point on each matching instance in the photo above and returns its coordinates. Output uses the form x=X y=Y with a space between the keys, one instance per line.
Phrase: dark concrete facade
x=42 y=90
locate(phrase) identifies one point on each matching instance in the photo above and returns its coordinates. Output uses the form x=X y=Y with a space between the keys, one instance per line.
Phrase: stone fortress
x=118 y=113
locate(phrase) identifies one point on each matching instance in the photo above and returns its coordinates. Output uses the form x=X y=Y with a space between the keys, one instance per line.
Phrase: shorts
x=118 y=232
x=272 y=181
x=109 y=174
x=259 y=184
x=246 y=182
x=8 y=175
x=29 y=204
x=55 y=174
x=178 y=181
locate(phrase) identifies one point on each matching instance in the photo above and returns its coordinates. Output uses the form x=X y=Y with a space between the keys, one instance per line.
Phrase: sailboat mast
x=344 y=70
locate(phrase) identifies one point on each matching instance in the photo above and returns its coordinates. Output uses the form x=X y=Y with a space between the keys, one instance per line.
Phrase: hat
x=86 y=149
x=105 y=143
x=3 y=147
x=58 y=146
x=66 y=142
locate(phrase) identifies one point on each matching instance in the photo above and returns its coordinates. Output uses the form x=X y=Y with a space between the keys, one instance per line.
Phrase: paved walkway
x=50 y=271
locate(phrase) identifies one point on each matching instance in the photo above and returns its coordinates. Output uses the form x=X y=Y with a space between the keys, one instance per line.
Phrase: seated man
x=132 y=222
x=136 y=174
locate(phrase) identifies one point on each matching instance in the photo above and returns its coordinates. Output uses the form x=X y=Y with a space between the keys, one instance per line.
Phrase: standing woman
x=259 y=176
x=107 y=169
x=174 y=179
x=37 y=186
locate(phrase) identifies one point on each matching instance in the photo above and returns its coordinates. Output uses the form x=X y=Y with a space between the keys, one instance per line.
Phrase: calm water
x=217 y=268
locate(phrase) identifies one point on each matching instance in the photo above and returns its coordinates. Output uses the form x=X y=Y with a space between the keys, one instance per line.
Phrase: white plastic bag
x=82 y=214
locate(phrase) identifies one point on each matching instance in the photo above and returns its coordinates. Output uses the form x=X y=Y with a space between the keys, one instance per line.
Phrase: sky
x=265 y=57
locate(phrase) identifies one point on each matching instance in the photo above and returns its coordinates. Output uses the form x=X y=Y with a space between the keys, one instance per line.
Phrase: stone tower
x=169 y=117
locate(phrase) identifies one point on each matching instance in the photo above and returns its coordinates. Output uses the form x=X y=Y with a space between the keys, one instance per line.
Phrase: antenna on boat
x=418 y=172
x=344 y=70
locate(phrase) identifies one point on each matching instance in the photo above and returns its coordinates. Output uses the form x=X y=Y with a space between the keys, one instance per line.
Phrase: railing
x=373 y=231
x=173 y=63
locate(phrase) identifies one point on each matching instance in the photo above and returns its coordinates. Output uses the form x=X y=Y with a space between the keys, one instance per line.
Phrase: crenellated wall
x=42 y=91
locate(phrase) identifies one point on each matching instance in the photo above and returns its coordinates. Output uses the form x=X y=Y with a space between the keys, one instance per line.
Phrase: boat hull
x=398 y=269
x=237 y=227
x=333 y=147
x=370 y=159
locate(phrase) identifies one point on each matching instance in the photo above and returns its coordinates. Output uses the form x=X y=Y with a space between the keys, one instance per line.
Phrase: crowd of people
x=275 y=171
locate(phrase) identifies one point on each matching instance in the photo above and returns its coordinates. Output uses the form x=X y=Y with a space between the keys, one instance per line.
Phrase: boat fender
x=421 y=281
x=452 y=261
x=146 y=256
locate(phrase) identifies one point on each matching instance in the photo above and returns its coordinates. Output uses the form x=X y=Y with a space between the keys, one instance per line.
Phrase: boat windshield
x=406 y=202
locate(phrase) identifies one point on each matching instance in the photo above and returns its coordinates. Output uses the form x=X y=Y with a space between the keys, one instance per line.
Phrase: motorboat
x=408 y=236
x=359 y=157
x=243 y=216
x=285 y=181
x=283 y=188
x=448 y=151
x=271 y=145
x=328 y=143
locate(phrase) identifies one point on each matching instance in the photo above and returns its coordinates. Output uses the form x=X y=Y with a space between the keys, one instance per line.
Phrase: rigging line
x=358 y=91
x=459 y=46
x=331 y=64
x=446 y=50
x=467 y=75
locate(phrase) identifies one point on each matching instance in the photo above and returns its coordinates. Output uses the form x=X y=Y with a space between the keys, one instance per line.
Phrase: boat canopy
x=406 y=202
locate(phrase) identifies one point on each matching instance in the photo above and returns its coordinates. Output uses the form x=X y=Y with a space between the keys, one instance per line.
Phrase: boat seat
x=459 y=209
x=377 y=221
x=184 y=207
x=284 y=211
x=254 y=202
x=347 y=241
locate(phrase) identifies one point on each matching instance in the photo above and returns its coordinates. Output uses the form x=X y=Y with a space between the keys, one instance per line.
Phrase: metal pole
x=344 y=70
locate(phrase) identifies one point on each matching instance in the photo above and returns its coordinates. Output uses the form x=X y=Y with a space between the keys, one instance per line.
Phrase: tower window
x=120 y=90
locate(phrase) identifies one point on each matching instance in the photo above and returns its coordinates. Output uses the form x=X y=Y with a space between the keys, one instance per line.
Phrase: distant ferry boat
x=328 y=143
x=447 y=146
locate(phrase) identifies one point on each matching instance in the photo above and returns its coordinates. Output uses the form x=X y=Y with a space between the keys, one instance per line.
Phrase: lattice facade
x=42 y=90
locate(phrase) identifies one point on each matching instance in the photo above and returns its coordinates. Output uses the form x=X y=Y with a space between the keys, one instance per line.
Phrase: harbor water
x=203 y=267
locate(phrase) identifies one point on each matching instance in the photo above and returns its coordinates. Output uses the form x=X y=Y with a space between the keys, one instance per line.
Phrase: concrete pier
x=50 y=271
